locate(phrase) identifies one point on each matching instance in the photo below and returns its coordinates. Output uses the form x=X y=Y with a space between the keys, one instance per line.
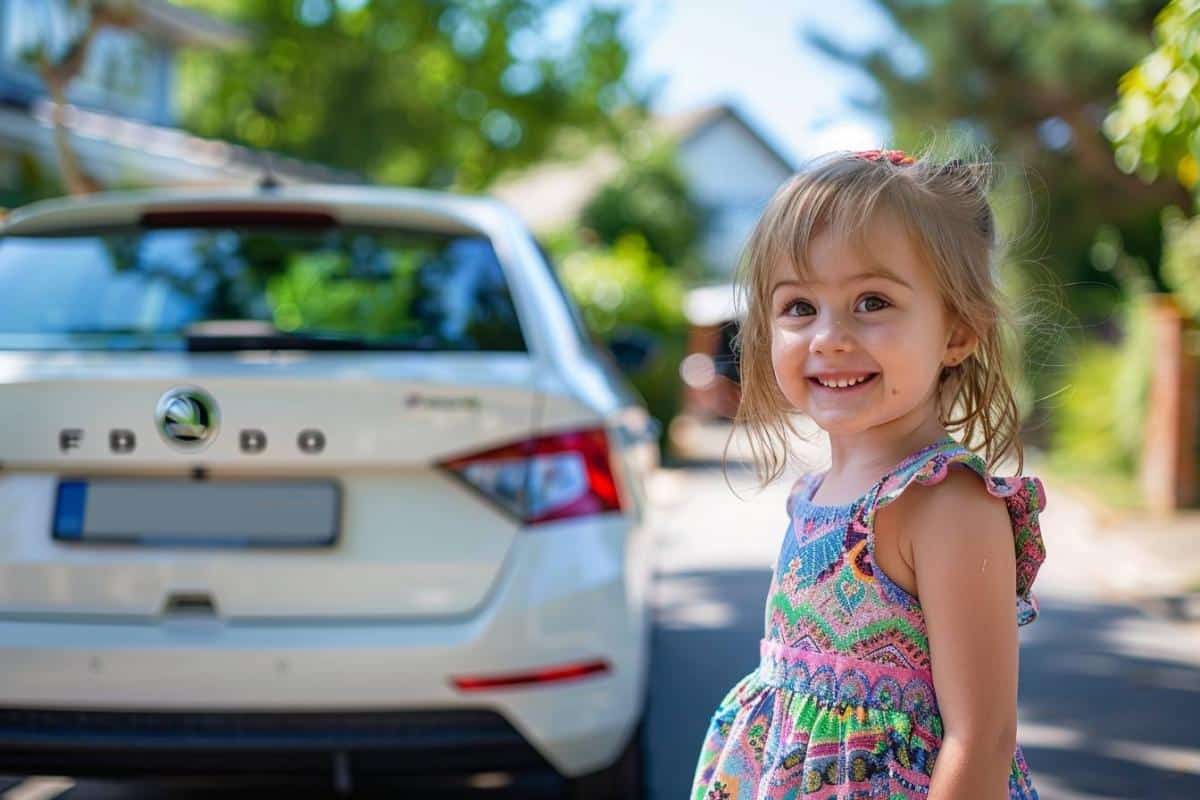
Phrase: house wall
x=123 y=129
x=733 y=176
x=125 y=73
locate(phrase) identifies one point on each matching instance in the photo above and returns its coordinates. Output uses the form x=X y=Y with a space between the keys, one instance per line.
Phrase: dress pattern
x=842 y=703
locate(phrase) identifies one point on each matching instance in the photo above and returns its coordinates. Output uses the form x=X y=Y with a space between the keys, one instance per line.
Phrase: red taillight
x=565 y=672
x=549 y=477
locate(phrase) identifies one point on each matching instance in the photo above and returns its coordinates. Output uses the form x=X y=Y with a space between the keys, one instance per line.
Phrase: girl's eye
x=872 y=302
x=803 y=309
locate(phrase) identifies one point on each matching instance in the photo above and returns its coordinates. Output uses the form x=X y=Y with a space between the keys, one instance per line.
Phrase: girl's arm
x=962 y=553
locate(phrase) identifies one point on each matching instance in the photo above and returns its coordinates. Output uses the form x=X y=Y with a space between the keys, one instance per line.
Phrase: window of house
x=27 y=24
x=122 y=66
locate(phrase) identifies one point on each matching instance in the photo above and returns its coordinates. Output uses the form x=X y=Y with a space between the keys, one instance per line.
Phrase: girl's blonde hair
x=943 y=206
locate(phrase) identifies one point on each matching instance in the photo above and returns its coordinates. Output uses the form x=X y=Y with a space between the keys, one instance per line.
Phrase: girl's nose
x=831 y=336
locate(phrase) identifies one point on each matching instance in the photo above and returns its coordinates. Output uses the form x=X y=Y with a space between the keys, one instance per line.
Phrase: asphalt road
x=1109 y=694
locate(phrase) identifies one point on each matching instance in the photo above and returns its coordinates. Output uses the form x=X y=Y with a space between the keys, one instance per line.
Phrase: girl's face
x=861 y=344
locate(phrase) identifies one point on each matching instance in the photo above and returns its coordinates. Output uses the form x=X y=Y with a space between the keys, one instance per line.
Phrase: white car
x=324 y=482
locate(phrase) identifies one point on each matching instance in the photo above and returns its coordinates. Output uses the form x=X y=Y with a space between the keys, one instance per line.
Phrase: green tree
x=1155 y=128
x=434 y=93
x=1032 y=81
x=649 y=198
x=625 y=287
x=1154 y=125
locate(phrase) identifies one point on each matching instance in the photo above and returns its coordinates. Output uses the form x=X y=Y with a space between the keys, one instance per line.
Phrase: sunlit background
x=640 y=141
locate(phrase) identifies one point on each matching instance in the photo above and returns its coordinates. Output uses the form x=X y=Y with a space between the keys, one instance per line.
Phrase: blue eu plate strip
x=68 y=512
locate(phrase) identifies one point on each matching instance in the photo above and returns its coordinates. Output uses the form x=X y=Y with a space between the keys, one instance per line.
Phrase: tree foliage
x=1032 y=81
x=650 y=198
x=1154 y=126
x=626 y=286
x=433 y=93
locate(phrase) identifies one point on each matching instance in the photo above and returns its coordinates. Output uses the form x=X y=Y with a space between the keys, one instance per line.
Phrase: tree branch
x=58 y=76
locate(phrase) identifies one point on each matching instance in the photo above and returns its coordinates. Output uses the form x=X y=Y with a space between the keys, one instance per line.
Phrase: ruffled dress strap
x=1024 y=496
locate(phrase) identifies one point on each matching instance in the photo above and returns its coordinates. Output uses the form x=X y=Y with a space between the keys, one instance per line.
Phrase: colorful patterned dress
x=842 y=703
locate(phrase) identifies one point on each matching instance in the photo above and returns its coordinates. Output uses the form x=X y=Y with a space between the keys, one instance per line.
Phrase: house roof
x=687 y=125
x=553 y=194
x=130 y=148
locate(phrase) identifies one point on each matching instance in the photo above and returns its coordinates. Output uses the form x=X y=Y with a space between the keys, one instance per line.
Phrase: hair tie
x=897 y=157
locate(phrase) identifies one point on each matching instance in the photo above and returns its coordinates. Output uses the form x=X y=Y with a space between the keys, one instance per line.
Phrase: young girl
x=889 y=665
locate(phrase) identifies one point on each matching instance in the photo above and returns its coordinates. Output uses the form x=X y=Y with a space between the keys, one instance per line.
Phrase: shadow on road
x=1100 y=714
x=708 y=626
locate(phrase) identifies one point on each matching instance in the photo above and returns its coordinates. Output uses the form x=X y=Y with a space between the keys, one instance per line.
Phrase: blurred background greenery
x=1092 y=110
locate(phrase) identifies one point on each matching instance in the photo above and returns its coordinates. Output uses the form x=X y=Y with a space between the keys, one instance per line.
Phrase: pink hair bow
x=897 y=157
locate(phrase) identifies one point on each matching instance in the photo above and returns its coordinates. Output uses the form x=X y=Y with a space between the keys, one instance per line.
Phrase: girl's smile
x=842 y=382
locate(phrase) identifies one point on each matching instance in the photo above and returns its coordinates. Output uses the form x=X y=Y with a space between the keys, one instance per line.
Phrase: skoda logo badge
x=187 y=417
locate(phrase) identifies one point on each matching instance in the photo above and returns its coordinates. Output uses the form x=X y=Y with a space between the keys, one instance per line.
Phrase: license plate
x=197 y=513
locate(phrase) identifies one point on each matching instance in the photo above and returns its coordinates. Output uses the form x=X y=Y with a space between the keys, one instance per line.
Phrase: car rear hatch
x=136 y=439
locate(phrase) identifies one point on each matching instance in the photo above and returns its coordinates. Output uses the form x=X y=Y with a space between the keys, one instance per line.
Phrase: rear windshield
x=153 y=289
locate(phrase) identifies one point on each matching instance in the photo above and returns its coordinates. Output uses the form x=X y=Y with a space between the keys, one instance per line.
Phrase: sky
x=753 y=54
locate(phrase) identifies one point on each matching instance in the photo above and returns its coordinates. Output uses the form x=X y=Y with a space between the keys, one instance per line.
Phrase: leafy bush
x=649 y=197
x=627 y=286
x=1130 y=385
x=1181 y=255
x=1086 y=418
x=1098 y=422
x=627 y=262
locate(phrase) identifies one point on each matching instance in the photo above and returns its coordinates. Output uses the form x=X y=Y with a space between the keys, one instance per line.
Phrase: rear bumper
x=570 y=592
x=440 y=748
